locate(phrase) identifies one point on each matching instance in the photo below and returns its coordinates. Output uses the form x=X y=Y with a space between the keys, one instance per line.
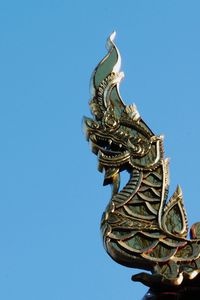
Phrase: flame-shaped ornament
x=140 y=228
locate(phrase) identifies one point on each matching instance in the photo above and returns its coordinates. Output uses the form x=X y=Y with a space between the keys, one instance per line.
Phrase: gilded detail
x=140 y=227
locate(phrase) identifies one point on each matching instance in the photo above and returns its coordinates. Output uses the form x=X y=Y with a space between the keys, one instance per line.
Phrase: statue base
x=181 y=294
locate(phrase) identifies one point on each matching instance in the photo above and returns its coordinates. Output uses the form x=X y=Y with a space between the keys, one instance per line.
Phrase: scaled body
x=140 y=228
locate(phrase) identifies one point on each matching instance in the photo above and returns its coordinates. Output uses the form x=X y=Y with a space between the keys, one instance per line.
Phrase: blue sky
x=51 y=195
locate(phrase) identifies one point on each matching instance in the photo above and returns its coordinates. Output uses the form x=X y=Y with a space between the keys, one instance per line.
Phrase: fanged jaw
x=109 y=151
x=115 y=160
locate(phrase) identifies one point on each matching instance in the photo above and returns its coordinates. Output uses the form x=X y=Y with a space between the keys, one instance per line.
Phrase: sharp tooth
x=120 y=145
x=93 y=137
x=109 y=141
x=100 y=153
x=100 y=167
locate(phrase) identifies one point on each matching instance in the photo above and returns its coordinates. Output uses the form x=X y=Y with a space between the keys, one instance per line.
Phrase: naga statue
x=140 y=227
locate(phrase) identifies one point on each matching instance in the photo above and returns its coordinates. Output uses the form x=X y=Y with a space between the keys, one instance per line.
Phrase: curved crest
x=105 y=82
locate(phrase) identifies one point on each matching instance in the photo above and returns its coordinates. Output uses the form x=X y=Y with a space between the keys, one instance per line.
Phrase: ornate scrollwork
x=140 y=228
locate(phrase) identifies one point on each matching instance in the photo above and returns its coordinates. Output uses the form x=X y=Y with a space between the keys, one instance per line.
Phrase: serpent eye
x=110 y=119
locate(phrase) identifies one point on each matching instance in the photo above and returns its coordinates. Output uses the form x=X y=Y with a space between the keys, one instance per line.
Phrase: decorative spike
x=174 y=219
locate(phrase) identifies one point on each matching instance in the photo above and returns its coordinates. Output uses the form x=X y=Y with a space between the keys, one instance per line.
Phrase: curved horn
x=105 y=82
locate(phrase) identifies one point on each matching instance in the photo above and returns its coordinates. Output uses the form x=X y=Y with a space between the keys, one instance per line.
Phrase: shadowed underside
x=140 y=227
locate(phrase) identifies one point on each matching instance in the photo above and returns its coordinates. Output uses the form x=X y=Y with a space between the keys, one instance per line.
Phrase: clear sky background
x=51 y=195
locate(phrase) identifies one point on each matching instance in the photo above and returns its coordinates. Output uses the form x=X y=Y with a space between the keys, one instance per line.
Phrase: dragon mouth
x=108 y=150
